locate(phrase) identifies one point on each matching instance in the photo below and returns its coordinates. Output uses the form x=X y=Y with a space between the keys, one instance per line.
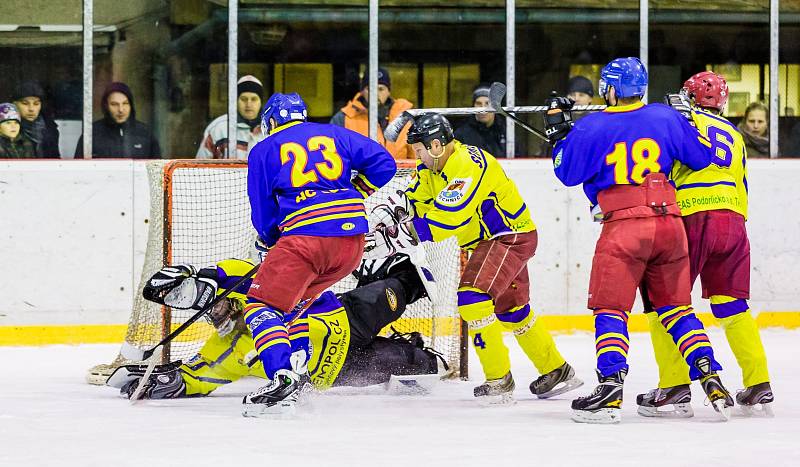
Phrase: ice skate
x=278 y=399
x=718 y=396
x=496 y=391
x=558 y=381
x=674 y=402
x=756 y=401
x=604 y=404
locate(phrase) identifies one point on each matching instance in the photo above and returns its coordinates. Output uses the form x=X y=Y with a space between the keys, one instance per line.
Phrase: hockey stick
x=133 y=353
x=496 y=93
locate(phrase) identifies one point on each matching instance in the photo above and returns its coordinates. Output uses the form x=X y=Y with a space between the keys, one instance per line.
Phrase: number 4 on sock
x=478 y=341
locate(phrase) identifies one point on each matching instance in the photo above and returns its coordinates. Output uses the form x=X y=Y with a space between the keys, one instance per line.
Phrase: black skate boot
x=674 y=402
x=558 y=381
x=496 y=391
x=756 y=400
x=277 y=399
x=604 y=405
x=719 y=397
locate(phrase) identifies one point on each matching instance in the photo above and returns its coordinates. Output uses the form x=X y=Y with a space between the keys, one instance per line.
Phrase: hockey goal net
x=200 y=214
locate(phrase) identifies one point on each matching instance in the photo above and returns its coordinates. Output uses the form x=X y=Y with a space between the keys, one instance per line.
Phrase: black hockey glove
x=681 y=103
x=180 y=287
x=165 y=280
x=558 y=118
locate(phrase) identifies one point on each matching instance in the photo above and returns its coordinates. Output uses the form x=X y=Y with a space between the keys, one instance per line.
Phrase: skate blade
x=723 y=412
x=599 y=416
x=495 y=400
x=561 y=388
x=683 y=410
x=280 y=411
x=757 y=410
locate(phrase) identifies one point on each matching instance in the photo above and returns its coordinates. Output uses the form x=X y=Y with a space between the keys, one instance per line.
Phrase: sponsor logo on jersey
x=455 y=191
x=348 y=226
x=392 y=299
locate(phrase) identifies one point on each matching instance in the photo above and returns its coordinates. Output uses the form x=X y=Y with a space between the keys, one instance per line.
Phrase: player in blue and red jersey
x=309 y=213
x=622 y=157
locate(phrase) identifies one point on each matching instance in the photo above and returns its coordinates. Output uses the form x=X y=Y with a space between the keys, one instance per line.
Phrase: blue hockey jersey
x=300 y=181
x=623 y=144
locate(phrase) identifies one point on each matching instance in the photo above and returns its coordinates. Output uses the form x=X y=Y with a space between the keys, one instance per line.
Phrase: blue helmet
x=284 y=108
x=627 y=76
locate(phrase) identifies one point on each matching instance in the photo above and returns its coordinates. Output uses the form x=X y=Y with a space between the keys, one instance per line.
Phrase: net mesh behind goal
x=200 y=214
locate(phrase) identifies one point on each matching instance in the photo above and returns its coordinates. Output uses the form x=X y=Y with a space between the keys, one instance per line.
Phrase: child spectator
x=13 y=144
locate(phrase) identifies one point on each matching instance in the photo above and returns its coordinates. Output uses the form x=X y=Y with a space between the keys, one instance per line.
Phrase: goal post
x=200 y=214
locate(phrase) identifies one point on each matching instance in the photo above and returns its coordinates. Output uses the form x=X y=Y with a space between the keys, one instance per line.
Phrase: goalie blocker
x=347 y=350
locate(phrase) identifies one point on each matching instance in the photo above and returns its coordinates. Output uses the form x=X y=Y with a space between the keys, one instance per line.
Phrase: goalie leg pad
x=372 y=307
x=378 y=361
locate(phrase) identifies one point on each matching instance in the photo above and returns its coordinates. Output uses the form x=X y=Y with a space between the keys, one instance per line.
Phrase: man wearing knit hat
x=248 y=125
x=40 y=129
x=486 y=131
x=580 y=90
x=118 y=133
x=355 y=115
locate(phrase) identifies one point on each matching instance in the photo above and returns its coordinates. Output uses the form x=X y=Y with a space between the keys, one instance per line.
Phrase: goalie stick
x=154 y=354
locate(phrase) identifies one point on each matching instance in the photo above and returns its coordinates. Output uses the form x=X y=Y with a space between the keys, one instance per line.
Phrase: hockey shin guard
x=743 y=337
x=269 y=335
x=689 y=335
x=611 y=341
x=533 y=337
x=486 y=333
x=672 y=369
x=298 y=338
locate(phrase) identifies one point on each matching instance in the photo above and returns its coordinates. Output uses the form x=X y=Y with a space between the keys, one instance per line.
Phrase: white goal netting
x=200 y=214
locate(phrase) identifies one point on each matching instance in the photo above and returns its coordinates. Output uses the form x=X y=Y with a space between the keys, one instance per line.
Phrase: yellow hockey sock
x=743 y=337
x=536 y=342
x=672 y=368
x=485 y=332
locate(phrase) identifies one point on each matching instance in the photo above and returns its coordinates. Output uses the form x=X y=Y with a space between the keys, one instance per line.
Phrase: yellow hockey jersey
x=721 y=185
x=471 y=198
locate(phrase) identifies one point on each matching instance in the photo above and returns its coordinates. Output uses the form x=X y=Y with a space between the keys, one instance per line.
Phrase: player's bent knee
x=723 y=306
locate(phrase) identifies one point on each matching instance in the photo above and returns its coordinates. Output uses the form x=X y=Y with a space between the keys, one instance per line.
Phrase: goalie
x=343 y=330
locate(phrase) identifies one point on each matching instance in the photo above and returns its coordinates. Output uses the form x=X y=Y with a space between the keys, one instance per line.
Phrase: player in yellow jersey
x=343 y=330
x=713 y=204
x=461 y=191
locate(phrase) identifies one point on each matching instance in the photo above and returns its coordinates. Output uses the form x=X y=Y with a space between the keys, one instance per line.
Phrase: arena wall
x=73 y=237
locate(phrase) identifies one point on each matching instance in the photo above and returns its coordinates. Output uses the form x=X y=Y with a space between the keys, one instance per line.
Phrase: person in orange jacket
x=355 y=115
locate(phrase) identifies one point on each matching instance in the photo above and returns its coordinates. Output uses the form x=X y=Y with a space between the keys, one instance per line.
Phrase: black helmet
x=428 y=127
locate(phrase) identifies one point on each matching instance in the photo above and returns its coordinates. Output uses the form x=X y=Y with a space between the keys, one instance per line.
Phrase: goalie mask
x=426 y=129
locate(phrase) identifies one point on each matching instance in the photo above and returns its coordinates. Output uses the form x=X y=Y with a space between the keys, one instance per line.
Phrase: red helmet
x=708 y=89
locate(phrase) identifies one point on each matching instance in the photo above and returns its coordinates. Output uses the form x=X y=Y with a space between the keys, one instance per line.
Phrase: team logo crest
x=348 y=226
x=455 y=191
x=392 y=299
x=557 y=160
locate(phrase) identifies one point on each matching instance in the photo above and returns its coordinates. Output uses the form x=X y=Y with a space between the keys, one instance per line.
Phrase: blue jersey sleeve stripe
x=705 y=185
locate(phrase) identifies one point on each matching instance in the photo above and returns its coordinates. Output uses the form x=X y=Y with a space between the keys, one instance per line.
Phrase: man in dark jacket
x=38 y=128
x=118 y=133
x=486 y=131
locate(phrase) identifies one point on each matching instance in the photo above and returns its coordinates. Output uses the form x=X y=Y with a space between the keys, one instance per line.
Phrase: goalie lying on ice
x=345 y=347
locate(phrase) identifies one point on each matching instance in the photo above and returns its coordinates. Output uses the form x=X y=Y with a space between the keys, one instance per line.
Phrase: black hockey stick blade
x=393 y=129
x=497 y=92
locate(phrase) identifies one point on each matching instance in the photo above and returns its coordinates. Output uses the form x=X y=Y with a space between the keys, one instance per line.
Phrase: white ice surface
x=50 y=417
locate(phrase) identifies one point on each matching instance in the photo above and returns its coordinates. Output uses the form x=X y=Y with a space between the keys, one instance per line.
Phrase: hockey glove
x=681 y=103
x=396 y=210
x=387 y=241
x=181 y=288
x=165 y=280
x=261 y=249
x=558 y=118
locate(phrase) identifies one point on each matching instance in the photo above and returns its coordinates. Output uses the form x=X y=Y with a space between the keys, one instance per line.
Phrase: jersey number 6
x=331 y=169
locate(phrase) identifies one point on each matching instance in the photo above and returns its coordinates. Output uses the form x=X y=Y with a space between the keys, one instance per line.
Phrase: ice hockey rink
x=49 y=416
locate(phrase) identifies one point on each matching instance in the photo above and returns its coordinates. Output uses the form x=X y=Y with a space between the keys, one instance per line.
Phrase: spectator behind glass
x=118 y=133
x=580 y=90
x=41 y=130
x=355 y=115
x=248 y=124
x=486 y=131
x=13 y=143
x=755 y=127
